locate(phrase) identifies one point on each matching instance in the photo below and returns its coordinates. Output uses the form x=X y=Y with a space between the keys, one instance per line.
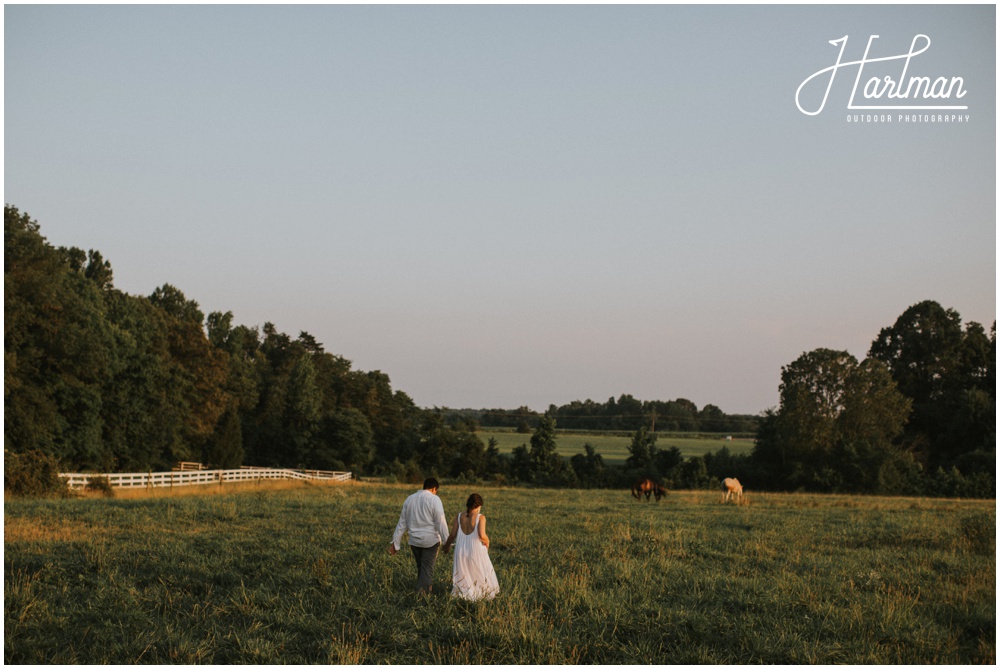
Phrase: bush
x=410 y=472
x=900 y=475
x=953 y=483
x=100 y=485
x=32 y=474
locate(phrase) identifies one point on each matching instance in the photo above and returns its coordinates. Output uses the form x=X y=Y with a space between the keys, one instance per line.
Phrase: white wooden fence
x=205 y=476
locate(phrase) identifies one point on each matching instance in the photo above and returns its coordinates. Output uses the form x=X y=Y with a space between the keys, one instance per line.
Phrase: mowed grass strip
x=613 y=448
x=301 y=575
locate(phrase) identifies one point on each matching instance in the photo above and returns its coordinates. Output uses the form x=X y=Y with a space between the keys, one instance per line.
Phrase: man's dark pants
x=425 y=558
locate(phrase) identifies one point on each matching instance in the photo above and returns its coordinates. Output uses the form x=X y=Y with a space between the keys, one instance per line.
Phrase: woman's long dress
x=472 y=575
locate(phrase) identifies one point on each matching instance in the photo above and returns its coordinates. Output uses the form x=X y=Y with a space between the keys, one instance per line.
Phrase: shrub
x=32 y=474
x=100 y=485
x=953 y=483
x=410 y=473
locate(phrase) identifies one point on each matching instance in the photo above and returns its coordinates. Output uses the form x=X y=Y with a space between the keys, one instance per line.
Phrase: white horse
x=732 y=487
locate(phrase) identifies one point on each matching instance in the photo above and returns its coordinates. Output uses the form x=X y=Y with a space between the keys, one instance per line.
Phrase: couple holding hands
x=423 y=519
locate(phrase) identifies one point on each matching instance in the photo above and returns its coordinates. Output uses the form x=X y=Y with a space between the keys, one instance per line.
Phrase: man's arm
x=397 y=536
x=452 y=536
x=439 y=521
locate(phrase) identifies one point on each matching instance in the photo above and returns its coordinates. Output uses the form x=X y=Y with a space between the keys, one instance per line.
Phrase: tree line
x=916 y=416
x=626 y=413
x=102 y=380
x=99 y=380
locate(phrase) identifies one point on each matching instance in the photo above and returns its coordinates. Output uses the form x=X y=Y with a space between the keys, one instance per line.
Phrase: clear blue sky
x=507 y=205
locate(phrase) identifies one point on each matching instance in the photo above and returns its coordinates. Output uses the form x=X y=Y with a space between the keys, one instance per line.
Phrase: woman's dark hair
x=473 y=501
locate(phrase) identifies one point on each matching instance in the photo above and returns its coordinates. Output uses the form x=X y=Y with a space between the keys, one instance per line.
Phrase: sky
x=516 y=205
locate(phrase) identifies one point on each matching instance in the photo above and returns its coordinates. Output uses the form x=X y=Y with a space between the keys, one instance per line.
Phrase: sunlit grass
x=301 y=575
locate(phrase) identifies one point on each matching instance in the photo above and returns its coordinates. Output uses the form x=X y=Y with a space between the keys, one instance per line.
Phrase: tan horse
x=648 y=487
x=732 y=487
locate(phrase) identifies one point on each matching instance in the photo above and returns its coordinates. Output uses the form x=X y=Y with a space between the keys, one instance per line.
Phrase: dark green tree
x=545 y=460
x=711 y=419
x=693 y=474
x=140 y=416
x=302 y=410
x=642 y=453
x=521 y=467
x=950 y=376
x=590 y=469
x=57 y=348
x=446 y=451
x=469 y=452
x=836 y=418
x=493 y=462
x=194 y=376
x=225 y=449
x=345 y=442
x=667 y=460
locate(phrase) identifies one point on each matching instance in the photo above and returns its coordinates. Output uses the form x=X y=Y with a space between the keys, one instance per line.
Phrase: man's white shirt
x=423 y=518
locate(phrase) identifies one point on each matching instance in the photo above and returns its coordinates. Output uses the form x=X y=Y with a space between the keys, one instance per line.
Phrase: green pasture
x=613 y=448
x=302 y=576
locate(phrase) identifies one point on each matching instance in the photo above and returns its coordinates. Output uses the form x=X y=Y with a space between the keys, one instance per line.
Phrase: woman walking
x=473 y=576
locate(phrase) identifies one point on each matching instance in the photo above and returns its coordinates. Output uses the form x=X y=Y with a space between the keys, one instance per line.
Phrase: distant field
x=613 y=448
x=301 y=575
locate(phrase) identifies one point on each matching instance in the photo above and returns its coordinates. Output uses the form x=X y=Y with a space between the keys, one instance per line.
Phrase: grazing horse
x=648 y=487
x=732 y=487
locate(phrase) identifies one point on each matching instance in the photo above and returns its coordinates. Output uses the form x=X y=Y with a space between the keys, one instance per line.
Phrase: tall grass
x=302 y=575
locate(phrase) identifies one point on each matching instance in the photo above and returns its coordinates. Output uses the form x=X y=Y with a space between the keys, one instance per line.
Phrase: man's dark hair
x=430 y=483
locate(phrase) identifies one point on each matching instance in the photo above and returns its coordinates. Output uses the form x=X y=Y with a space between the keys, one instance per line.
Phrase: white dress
x=472 y=575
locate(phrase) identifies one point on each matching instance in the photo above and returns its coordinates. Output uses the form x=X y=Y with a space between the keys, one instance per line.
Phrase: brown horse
x=648 y=487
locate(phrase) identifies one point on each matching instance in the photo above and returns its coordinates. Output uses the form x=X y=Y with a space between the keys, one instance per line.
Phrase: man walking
x=423 y=519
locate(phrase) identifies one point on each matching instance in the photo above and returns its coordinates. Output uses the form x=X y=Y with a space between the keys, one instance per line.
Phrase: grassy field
x=613 y=448
x=300 y=574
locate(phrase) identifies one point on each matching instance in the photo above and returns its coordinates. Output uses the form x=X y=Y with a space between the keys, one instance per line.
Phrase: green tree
x=302 y=410
x=642 y=453
x=447 y=451
x=194 y=375
x=873 y=416
x=225 y=449
x=469 y=452
x=140 y=415
x=57 y=347
x=521 y=468
x=837 y=418
x=949 y=374
x=493 y=462
x=711 y=419
x=345 y=442
x=589 y=468
x=545 y=460
x=667 y=460
x=693 y=474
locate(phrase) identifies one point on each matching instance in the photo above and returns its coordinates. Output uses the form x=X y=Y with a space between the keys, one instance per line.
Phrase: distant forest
x=99 y=380
x=625 y=414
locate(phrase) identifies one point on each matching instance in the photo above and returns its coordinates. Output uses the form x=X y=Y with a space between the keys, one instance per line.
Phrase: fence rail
x=204 y=477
